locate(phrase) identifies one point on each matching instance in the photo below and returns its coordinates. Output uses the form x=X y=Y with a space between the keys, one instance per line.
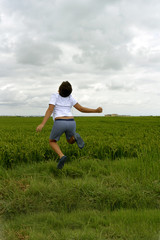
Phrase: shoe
x=62 y=162
x=79 y=140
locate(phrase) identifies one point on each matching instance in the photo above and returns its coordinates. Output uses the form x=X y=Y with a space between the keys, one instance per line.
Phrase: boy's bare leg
x=56 y=148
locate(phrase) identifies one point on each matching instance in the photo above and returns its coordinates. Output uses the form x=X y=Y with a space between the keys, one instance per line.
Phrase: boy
x=60 y=105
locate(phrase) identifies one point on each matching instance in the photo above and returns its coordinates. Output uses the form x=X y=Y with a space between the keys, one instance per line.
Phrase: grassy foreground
x=109 y=190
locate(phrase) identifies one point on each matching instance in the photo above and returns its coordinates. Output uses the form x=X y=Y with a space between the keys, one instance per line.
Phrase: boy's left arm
x=87 y=110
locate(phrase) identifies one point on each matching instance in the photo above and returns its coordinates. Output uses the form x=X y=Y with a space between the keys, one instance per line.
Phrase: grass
x=89 y=224
x=109 y=190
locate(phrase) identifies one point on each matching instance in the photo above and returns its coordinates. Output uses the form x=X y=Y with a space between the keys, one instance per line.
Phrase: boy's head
x=65 y=89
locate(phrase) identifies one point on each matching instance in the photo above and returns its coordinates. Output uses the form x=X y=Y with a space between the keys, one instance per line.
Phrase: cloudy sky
x=109 y=50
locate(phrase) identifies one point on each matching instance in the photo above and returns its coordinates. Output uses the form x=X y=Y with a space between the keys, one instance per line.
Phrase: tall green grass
x=108 y=190
x=90 y=225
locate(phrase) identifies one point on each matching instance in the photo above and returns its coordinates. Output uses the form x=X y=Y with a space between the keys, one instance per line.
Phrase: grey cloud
x=35 y=52
x=100 y=30
x=78 y=16
x=6 y=70
x=84 y=86
x=119 y=84
x=110 y=58
x=150 y=17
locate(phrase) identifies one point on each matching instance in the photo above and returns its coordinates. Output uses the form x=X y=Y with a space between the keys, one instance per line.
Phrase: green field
x=108 y=190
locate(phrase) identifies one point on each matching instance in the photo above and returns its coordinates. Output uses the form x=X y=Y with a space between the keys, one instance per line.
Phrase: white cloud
x=10 y=96
x=108 y=50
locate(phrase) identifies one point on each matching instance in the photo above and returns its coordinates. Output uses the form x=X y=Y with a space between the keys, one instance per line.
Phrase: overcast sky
x=109 y=50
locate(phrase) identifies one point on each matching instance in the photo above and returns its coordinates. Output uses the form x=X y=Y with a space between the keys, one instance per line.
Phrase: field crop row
x=105 y=138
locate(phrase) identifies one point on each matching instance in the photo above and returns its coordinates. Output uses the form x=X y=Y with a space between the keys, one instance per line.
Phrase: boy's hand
x=99 y=110
x=39 y=128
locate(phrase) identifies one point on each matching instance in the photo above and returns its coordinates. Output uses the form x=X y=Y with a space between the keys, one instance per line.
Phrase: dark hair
x=65 y=89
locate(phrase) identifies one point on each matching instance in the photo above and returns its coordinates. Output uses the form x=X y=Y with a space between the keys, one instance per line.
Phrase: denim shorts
x=60 y=126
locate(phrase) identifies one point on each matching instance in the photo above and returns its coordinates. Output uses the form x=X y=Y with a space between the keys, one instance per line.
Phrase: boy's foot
x=62 y=162
x=79 y=140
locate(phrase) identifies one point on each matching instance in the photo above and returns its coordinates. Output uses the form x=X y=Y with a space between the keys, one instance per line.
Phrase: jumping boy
x=60 y=105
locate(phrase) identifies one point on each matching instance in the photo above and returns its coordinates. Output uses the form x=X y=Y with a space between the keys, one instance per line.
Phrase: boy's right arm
x=87 y=110
x=46 y=117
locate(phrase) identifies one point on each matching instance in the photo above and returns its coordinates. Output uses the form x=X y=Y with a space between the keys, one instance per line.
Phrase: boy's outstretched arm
x=87 y=110
x=46 y=117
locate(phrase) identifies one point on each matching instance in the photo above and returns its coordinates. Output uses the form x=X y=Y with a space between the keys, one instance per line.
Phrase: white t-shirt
x=62 y=105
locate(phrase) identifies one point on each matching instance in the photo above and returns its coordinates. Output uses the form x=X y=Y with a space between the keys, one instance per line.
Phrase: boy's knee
x=71 y=140
x=51 y=141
